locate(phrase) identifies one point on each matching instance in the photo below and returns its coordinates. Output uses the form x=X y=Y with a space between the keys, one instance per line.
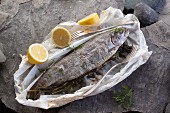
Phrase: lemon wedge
x=61 y=37
x=37 y=54
x=92 y=19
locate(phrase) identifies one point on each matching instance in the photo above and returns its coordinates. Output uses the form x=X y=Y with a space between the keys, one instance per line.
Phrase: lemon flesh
x=92 y=19
x=61 y=37
x=37 y=54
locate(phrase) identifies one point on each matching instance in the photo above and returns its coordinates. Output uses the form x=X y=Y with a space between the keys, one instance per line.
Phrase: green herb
x=84 y=66
x=116 y=55
x=50 y=75
x=124 y=98
x=60 y=70
x=118 y=30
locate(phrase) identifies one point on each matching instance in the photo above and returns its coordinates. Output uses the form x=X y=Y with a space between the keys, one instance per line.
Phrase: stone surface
x=165 y=13
x=2 y=56
x=4 y=109
x=30 y=21
x=145 y=14
x=156 y=71
x=4 y=19
x=166 y=8
x=167 y=110
x=157 y=5
x=165 y=17
x=159 y=35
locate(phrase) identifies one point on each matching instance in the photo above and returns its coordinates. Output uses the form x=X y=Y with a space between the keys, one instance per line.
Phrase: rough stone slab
x=159 y=34
x=33 y=21
x=167 y=110
x=22 y=1
x=165 y=13
x=154 y=75
x=2 y=56
x=9 y=6
x=5 y=19
x=1 y=47
x=157 y=5
x=166 y=9
x=145 y=14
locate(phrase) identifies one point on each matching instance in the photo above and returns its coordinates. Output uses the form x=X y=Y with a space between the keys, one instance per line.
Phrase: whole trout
x=90 y=56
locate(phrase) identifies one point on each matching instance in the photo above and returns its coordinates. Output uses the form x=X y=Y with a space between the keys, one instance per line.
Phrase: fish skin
x=92 y=55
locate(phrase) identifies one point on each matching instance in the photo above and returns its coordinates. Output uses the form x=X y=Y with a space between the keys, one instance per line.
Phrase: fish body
x=90 y=56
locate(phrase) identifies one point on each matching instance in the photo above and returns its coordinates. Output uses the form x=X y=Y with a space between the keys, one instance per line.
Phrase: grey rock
x=157 y=5
x=155 y=73
x=159 y=35
x=166 y=8
x=167 y=110
x=165 y=13
x=1 y=46
x=30 y=22
x=9 y=6
x=145 y=14
x=8 y=9
x=2 y=57
x=4 y=19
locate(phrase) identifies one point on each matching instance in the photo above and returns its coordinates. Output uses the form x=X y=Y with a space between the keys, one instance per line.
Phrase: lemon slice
x=92 y=19
x=37 y=54
x=61 y=37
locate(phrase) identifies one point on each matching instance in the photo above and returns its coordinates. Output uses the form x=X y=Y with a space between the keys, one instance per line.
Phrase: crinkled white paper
x=109 y=17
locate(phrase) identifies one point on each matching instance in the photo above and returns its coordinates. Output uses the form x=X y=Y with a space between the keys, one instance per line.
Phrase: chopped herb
x=53 y=68
x=118 y=30
x=84 y=66
x=60 y=70
x=50 y=75
x=116 y=55
x=124 y=98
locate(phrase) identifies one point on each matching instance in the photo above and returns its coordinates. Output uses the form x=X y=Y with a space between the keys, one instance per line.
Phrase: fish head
x=119 y=35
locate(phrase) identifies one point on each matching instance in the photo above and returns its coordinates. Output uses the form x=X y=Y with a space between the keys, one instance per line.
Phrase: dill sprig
x=118 y=30
x=124 y=98
x=60 y=70
x=50 y=75
x=84 y=66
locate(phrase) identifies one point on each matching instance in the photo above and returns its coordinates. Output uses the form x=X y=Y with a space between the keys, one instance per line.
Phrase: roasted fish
x=92 y=55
